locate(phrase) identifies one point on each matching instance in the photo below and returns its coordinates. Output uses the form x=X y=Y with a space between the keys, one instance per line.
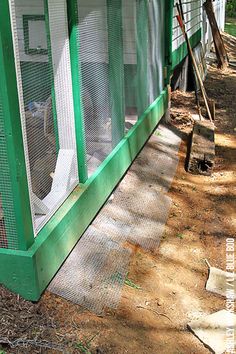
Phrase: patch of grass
x=84 y=346
x=230 y=29
x=230 y=26
x=130 y=283
x=158 y=133
x=117 y=277
x=181 y=236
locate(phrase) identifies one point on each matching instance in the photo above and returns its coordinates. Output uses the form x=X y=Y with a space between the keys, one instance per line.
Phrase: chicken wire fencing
x=144 y=55
x=120 y=48
x=42 y=57
x=121 y=51
x=8 y=230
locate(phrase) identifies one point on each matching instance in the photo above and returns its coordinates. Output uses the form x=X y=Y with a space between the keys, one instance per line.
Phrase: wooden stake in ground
x=221 y=53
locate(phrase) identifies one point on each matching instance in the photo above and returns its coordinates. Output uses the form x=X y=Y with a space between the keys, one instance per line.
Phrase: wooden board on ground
x=202 y=150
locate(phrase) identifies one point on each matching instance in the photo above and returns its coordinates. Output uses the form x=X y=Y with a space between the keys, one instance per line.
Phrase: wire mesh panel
x=94 y=58
x=156 y=48
x=8 y=231
x=129 y=10
x=121 y=50
x=101 y=76
x=41 y=47
x=144 y=54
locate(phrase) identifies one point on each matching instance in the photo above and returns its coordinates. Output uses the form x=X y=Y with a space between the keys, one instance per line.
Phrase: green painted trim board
x=13 y=133
x=73 y=21
x=180 y=53
x=55 y=241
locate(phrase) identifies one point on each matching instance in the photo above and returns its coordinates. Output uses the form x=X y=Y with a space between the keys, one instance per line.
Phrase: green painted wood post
x=13 y=133
x=73 y=20
x=116 y=69
x=169 y=10
x=142 y=55
x=54 y=109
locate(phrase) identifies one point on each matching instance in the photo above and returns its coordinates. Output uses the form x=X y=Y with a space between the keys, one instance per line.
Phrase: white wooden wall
x=193 y=18
x=28 y=7
x=219 y=7
x=93 y=27
x=196 y=18
x=129 y=31
x=93 y=31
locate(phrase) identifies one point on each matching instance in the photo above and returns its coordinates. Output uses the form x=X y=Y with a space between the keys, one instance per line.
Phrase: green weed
x=130 y=283
x=84 y=346
x=181 y=236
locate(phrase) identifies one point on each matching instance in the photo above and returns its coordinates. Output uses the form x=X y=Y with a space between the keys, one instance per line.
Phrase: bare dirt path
x=153 y=319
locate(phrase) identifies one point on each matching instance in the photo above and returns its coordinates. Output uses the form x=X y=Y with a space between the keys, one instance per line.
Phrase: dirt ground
x=153 y=318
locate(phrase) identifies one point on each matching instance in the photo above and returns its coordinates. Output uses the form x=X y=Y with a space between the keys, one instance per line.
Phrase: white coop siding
x=193 y=18
x=93 y=31
x=219 y=8
x=129 y=31
x=27 y=7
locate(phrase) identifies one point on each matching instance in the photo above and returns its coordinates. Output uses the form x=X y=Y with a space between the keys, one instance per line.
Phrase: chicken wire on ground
x=94 y=273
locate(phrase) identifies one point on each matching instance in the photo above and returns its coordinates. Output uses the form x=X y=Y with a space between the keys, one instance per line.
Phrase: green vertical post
x=169 y=7
x=142 y=55
x=116 y=69
x=73 y=19
x=54 y=109
x=13 y=133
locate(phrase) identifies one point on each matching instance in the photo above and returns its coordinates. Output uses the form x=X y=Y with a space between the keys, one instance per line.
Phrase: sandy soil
x=153 y=319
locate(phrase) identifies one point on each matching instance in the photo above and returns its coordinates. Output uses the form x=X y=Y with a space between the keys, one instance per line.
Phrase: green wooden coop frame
x=29 y=269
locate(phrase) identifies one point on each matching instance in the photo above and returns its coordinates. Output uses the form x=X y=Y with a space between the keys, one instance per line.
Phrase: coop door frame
x=14 y=143
x=65 y=176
